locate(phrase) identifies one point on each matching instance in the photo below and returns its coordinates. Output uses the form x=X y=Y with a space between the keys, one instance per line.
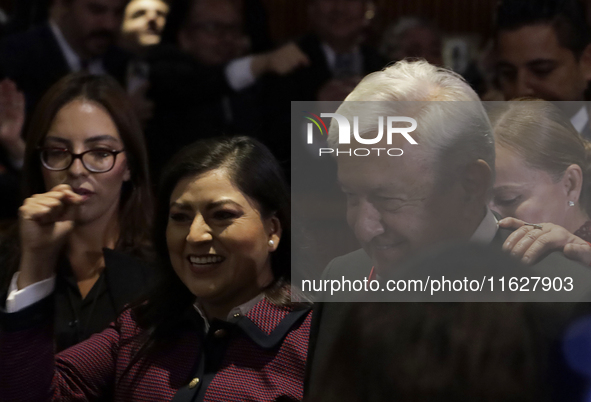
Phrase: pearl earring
x=571 y=204
x=271 y=243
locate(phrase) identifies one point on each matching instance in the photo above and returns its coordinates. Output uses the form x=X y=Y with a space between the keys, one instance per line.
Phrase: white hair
x=452 y=133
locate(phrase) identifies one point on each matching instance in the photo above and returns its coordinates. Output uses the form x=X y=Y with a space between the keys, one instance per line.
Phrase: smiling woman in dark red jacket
x=220 y=325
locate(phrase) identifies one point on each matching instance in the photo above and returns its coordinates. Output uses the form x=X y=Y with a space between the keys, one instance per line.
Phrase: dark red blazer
x=257 y=357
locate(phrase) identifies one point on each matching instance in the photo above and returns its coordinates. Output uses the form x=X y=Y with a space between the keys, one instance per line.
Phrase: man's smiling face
x=532 y=62
x=396 y=205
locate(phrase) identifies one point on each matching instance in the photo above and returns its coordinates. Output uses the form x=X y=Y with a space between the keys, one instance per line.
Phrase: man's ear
x=585 y=63
x=274 y=230
x=476 y=181
x=573 y=182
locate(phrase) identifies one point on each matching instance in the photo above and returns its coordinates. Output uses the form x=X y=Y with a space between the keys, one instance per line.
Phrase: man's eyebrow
x=504 y=64
x=541 y=61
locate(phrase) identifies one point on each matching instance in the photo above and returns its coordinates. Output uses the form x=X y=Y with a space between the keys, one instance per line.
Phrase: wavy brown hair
x=136 y=203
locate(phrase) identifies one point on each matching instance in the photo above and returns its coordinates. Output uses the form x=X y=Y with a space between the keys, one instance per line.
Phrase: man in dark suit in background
x=338 y=59
x=429 y=192
x=204 y=81
x=79 y=36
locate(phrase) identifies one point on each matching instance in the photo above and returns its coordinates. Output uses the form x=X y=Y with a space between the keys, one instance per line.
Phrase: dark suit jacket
x=187 y=103
x=34 y=60
x=329 y=316
x=586 y=131
x=304 y=83
x=193 y=101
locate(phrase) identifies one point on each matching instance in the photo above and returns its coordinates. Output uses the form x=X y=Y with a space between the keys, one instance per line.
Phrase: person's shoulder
x=352 y=265
x=311 y=45
x=31 y=35
x=556 y=262
x=167 y=58
x=372 y=60
x=119 y=54
x=308 y=41
x=131 y=264
x=127 y=327
x=28 y=41
x=553 y=265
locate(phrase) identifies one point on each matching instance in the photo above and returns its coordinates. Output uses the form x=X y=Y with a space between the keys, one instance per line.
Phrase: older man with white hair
x=436 y=190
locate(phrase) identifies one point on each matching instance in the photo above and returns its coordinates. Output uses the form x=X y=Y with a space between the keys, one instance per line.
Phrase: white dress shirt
x=486 y=231
x=580 y=119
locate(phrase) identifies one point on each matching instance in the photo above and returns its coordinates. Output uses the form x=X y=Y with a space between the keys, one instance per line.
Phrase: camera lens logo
x=344 y=136
x=316 y=122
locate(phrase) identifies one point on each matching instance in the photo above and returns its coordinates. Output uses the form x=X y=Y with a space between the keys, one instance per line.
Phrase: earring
x=271 y=243
x=571 y=204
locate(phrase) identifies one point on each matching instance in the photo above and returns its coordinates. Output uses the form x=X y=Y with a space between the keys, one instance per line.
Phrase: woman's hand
x=530 y=243
x=45 y=221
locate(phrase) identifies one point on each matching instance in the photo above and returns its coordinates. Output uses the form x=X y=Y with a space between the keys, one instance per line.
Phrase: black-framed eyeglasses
x=99 y=160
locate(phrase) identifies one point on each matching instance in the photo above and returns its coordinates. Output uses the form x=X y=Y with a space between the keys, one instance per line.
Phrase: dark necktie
x=84 y=64
x=344 y=65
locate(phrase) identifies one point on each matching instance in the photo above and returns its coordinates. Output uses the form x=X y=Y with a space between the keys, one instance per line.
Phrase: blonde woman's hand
x=45 y=221
x=530 y=243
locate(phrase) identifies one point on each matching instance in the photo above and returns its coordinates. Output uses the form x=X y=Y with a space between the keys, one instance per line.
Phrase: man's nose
x=152 y=16
x=199 y=231
x=523 y=85
x=152 y=24
x=366 y=222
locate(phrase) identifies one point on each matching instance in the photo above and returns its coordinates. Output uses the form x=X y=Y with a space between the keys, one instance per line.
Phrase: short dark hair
x=567 y=17
x=257 y=174
x=178 y=17
x=136 y=203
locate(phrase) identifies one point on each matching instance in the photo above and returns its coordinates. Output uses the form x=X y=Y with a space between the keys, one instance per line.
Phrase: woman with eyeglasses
x=223 y=324
x=83 y=227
